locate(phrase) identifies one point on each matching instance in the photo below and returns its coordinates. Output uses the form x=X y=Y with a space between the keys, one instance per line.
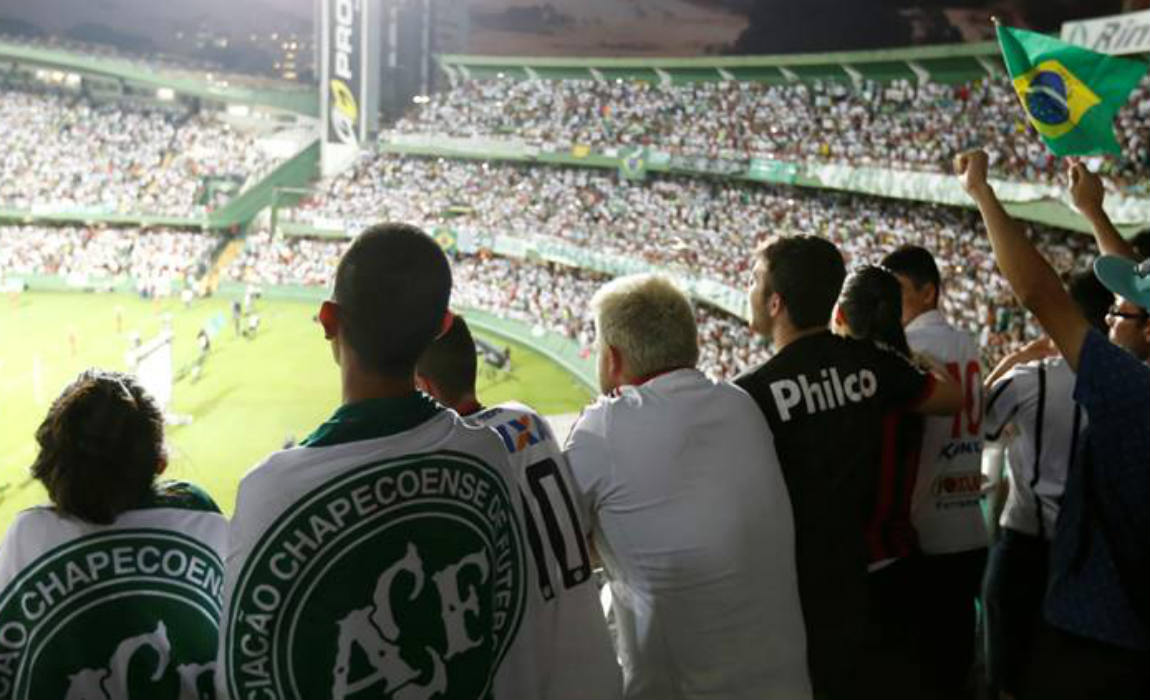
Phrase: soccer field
x=252 y=396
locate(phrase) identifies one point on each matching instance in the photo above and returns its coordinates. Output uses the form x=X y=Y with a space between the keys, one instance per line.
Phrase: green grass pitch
x=251 y=396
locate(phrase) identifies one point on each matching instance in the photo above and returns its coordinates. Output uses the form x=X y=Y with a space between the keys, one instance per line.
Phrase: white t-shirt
x=574 y=651
x=82 y=604
x=1038 y=399
x=384 y=556
x=694 y=524
x=946 y=510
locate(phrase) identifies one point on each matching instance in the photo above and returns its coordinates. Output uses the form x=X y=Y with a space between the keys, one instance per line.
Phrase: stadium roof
x=949 y=63
x=224 y=87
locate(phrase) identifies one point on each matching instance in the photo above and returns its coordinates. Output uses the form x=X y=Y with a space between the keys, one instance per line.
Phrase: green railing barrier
x=296 y=172
x=949 y=63
x=1045 y=204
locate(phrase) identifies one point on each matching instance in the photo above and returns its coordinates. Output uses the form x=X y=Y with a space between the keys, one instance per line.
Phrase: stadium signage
x=405 y=578
x=1116 y=34
x=343 y=80
x=70 y=624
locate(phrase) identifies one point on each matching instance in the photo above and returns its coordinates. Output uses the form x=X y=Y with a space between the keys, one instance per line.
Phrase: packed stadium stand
x=76 y=150
x=900 y=124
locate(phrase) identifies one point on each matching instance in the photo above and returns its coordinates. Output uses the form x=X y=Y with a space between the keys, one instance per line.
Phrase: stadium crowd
x=105 y=254
x=64 y=151
x=551 y=297
x=690 y=226
x=785 y=506
x=901 y=124
x=812 y=529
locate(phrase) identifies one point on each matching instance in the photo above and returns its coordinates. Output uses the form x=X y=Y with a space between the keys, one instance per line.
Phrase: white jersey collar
x=933 y=317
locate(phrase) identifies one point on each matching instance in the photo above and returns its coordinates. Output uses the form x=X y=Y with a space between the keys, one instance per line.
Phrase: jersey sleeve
x=589 y=457
x=11 y=552
x=1005 y=399
x=901 y=383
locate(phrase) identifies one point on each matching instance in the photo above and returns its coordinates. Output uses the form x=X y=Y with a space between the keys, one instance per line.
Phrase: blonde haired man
x=690 y=512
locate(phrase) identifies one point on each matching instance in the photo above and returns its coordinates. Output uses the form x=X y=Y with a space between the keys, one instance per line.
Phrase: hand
x=1085 y=190
x=971 y=167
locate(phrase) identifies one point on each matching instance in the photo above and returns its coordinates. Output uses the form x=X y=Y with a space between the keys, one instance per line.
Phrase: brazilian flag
x=1069 y=93
x=447 y=239
x=633 y=164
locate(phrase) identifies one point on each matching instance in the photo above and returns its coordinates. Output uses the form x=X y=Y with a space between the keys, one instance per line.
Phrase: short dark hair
x=1091 y=297
x=915 y=263
x=100 y=447
x=808 y=273
x=451 y=362
x=392 y=286
x=871 y=302
x=1141 y=244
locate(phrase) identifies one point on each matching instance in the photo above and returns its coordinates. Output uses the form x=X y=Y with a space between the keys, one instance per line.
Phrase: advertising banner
x=343 y=84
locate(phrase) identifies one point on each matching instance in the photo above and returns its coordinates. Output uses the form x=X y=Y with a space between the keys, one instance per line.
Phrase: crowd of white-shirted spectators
x=152 y=257
x=900 y=124
x=698 y=227
x=550 y=297
x=64 y=151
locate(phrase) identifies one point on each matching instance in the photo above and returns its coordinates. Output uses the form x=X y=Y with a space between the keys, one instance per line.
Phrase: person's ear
x=162 y=464
x=615 y=365
x=775 y=304
x=840 y=319
x=329 y=319
x=931 y=294
x=445 y=324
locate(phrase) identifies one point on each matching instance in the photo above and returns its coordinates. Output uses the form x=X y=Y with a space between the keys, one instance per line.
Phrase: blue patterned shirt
x=1100 y=564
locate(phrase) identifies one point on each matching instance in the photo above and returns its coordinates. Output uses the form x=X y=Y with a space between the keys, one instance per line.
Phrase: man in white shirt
x=386 y=555
x=691 y=513
x=574 y=653
x=946 y=509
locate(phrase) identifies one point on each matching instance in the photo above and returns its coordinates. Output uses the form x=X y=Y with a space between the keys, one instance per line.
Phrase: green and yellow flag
x=1070 y=94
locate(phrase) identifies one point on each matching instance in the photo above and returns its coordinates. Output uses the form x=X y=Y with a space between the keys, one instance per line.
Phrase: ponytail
x=871 y=302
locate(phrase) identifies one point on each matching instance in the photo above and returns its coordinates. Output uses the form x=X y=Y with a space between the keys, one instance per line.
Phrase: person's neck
x=784 y=335
x=364 y=386
x=468 y=405
x=923 y=312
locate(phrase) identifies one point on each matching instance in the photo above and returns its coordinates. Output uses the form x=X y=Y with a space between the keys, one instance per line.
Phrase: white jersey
x=1038 y=399
x=385 y=556
x=946 y=510
x=694 y=524
x=114 y=611
x=574 y=650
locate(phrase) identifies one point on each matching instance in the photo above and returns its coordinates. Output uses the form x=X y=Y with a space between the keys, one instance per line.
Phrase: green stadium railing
x=1045 y=204
x=99 y=216
x=563 y=351
x=299 y=171
x=950 y=63
x=121 y=284
x=296 y=172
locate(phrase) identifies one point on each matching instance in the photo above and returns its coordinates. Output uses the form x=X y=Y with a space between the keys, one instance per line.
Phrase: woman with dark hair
x=870 y=308
x=113 y=590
